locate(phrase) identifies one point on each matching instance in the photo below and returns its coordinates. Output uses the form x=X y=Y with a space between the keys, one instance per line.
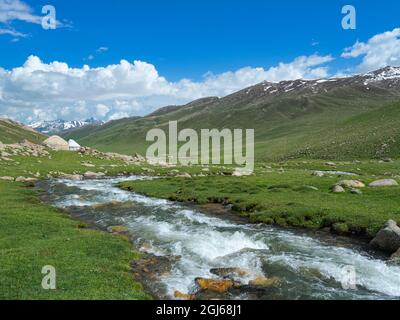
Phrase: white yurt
x=73 y=145
x=56 y=143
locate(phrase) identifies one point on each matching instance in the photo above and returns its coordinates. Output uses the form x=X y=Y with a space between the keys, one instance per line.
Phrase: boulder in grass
x=384 y=183
x=7 y=178
x=338 y=189
x=388 y=238
x=354 y=184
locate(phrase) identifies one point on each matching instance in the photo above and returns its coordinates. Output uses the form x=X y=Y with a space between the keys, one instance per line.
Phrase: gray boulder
x=25 y=180
x=74 y=177
x=93 y=175
x=351 y=184
x=338 y=189
x=395 y=258
x=388 y=238
x=384 y=183
x=7 y=178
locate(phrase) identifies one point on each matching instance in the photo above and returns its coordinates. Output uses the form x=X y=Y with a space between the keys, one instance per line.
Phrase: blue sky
x=185 y=39
x=189 y=38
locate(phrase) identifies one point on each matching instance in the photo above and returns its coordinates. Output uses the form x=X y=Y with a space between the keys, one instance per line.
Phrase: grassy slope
x=11 y=133
x=285 y=199
x=89 y=264
x=330 y=125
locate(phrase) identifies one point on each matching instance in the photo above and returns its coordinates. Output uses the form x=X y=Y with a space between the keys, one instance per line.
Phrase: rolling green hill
x=13 y=132
x=343 y=118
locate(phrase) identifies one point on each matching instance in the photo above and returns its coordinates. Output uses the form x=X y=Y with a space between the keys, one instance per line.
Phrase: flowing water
x=309 y=267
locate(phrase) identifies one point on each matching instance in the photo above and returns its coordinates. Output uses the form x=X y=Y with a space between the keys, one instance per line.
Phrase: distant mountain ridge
x=351 y=117
x=60 y=126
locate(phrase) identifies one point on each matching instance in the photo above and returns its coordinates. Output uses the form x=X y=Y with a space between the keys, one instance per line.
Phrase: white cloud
x=12 y=32
x=379 y=51
x=11 y=10
x=17 y=10
x=45 y=91
x=102 y=110
x=102 y=49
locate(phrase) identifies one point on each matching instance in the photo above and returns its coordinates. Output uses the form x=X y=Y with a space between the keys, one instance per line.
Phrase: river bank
x=89 y=264
x=294 y=194
x=184 y=248
x=46 y=234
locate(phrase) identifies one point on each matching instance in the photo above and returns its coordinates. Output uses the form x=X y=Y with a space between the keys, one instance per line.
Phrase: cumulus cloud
x=47 y=91
x=379 y=51
x=17 y=10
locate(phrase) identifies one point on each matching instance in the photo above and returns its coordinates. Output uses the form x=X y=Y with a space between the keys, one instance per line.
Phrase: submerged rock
x=113 y=205
x=229 y=273
x=183 y=296
x=262 y=281
x=23 y=179
x=214 y=285
x=388 y=238
x=395 y=258
x=118 y=229
x=384 y=183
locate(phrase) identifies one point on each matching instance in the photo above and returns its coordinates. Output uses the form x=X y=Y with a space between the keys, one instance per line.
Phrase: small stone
x=356 y=191
x=338 y=189
x=184 y=175
x=240 y=172
x=318 y=174
x=118 y=229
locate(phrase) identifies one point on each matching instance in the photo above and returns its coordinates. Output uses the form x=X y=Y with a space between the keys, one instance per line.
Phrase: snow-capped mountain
x=387 y=78
x=58 y=126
